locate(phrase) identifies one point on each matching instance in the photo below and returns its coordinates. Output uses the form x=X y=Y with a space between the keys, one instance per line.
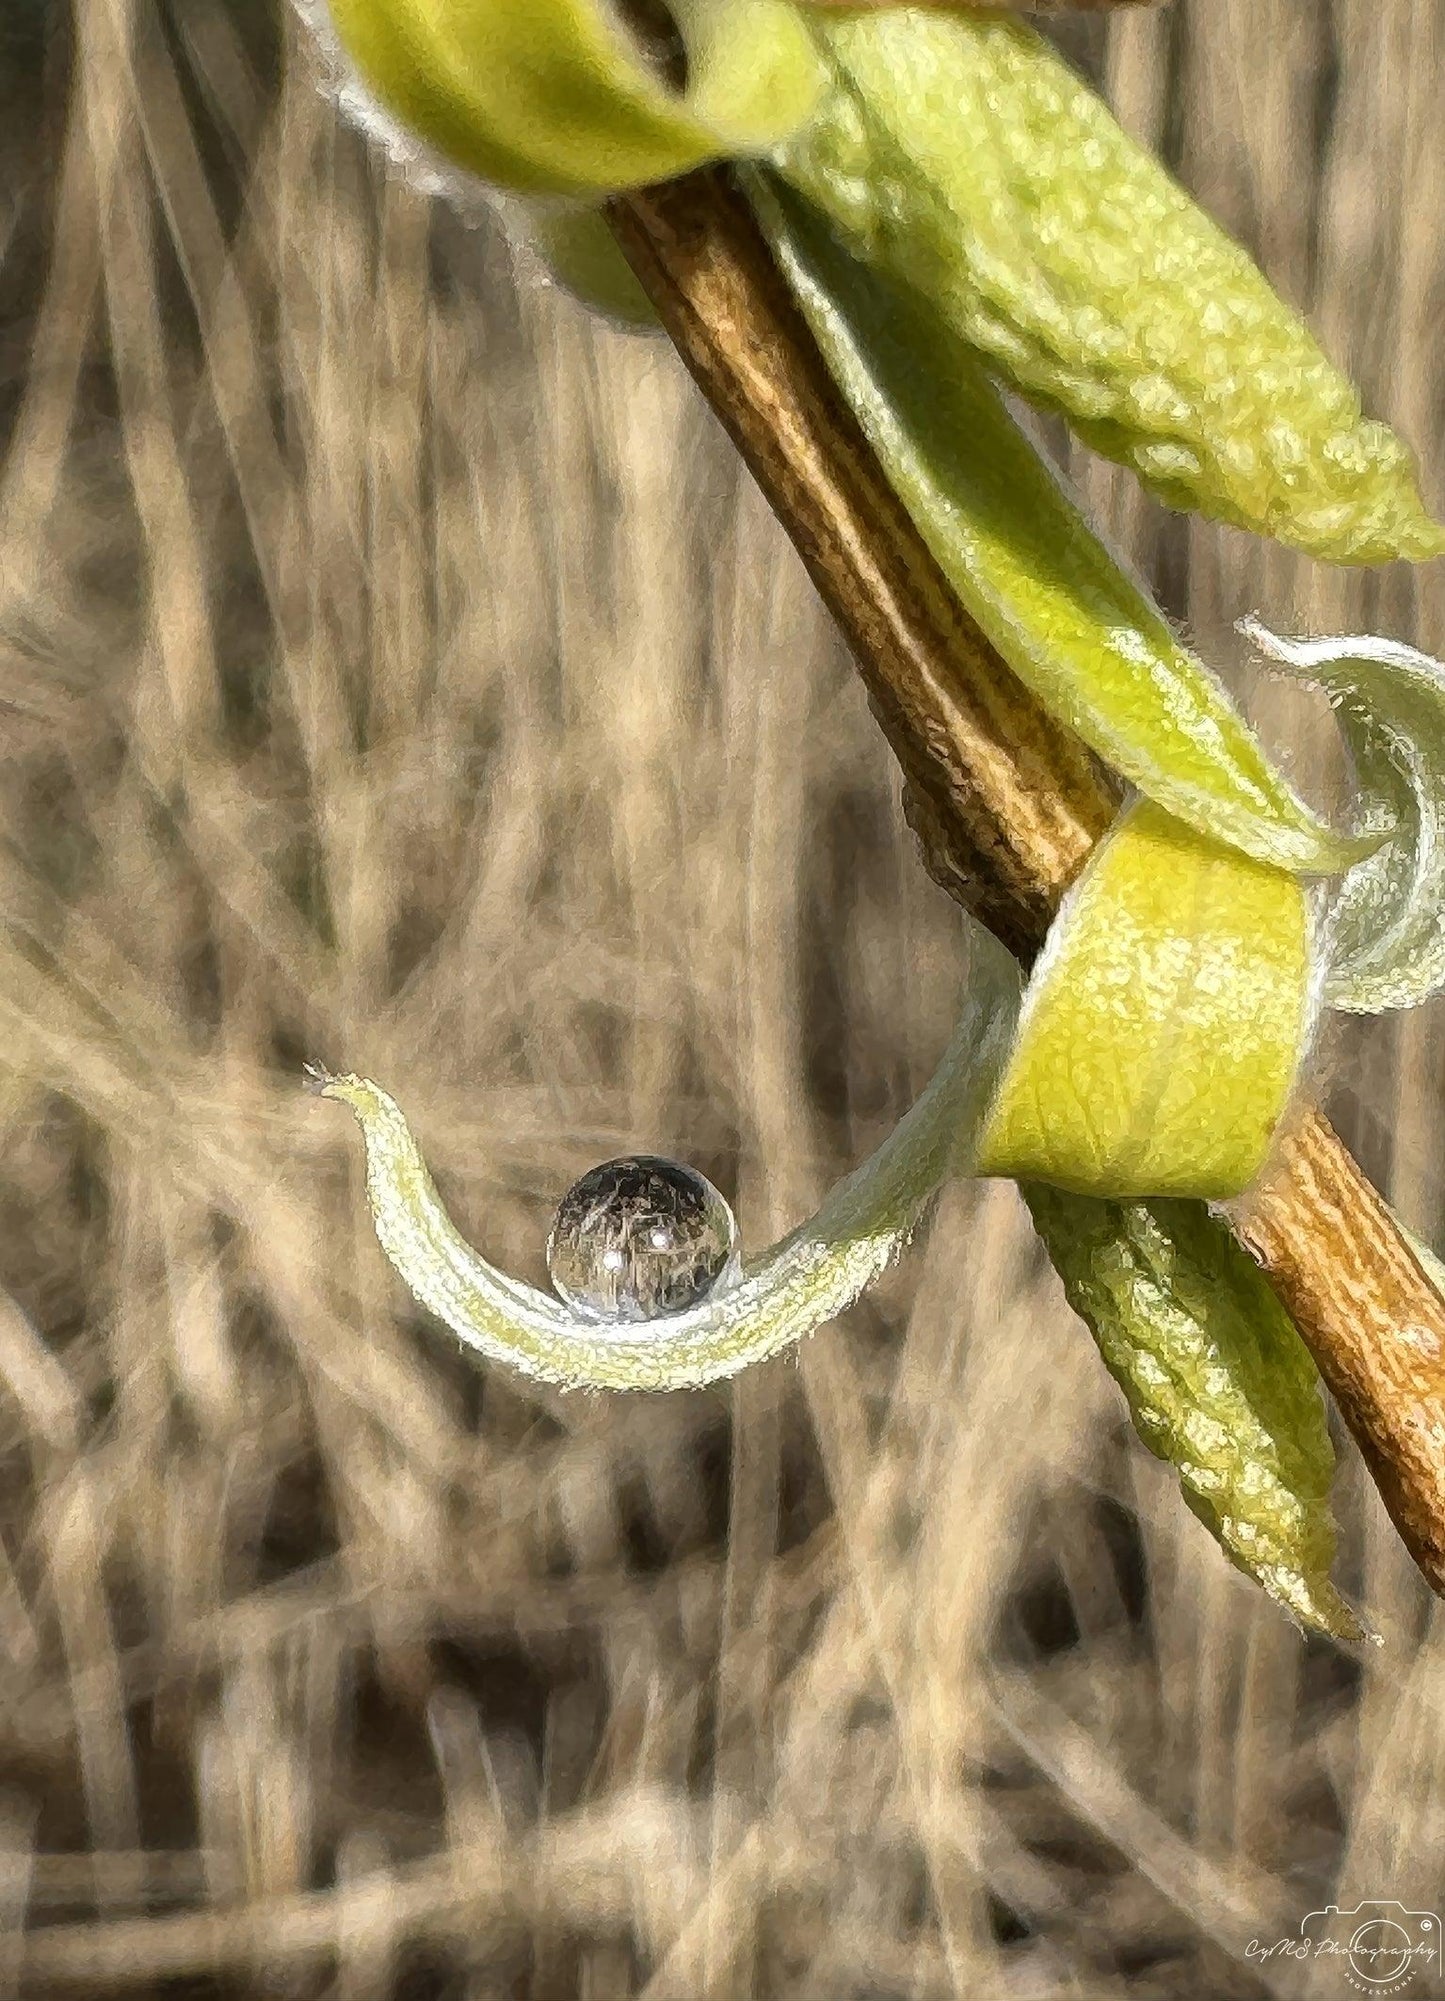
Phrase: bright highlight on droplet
x=640 y=1237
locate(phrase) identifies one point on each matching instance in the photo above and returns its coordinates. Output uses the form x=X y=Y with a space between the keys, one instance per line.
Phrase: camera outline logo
x=1383 y=1946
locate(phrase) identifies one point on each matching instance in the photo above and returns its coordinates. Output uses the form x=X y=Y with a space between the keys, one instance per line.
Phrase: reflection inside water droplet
x=638 y=1237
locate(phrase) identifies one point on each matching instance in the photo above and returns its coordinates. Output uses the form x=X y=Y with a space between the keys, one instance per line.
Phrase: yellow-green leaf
x=583 y=256
x=1163 y=1027
x=1068 y=619
x=961 y=155
x=556 y=97
x=1218 y=1382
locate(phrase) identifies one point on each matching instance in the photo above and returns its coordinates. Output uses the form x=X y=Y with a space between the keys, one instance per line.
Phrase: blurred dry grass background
x=394 y=667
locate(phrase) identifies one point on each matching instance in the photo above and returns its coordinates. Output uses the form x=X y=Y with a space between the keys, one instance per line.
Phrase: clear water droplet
x=638 y=1237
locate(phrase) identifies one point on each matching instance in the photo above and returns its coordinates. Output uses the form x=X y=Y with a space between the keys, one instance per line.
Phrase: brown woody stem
x=1008 y=803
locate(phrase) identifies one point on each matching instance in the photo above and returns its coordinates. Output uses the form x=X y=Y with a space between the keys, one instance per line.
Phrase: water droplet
x=638 y=1237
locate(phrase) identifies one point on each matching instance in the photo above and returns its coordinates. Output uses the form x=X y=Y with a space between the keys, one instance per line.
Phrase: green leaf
x=1385 y=934
x=582 y=254
x=1067 y=618
x=555 y=97
x=963 y=157
x=1164 y=1025
x=1218 y=1382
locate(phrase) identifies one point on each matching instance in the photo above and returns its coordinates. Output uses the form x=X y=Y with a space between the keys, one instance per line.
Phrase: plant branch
x=1007 y=803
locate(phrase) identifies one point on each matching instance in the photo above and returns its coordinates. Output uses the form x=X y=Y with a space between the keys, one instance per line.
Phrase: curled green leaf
x=1158 y=898
x=961 y=155
x=1065 y=615
x=1386 y=934
x=1218 y=1382
x=805 y=1280
x=1160 y=1035
x=557 y=97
